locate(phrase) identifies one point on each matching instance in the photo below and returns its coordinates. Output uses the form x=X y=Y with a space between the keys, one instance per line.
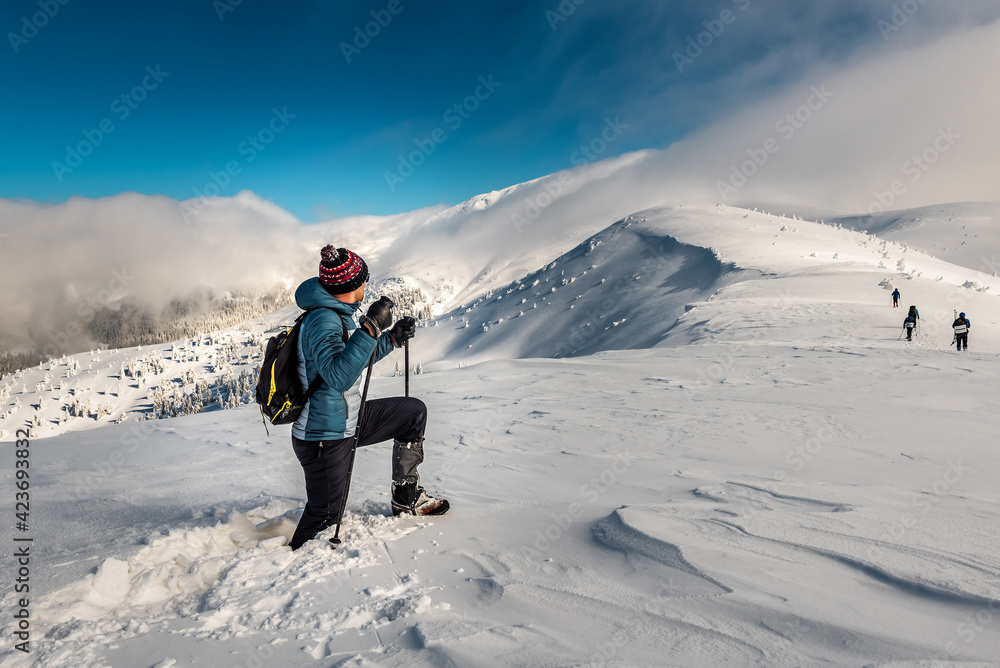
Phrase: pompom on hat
x=341 y=271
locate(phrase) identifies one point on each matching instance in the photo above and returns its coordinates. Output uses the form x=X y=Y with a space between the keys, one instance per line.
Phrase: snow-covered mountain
x=682 y=436
x=651 y=277
x=961 y=233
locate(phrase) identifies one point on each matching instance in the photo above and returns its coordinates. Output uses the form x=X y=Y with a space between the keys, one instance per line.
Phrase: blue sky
x=265 y=89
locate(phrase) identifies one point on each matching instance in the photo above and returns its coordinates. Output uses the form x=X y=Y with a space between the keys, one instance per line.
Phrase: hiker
x=910 y=323
x=323 y=435
x=895 y=298
x=961 y=327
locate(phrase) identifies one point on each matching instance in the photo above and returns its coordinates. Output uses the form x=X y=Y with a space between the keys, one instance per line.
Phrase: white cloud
x=63 y=261
x=881 y=113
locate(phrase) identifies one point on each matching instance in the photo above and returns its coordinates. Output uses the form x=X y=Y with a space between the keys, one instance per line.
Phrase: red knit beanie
x=341 y=271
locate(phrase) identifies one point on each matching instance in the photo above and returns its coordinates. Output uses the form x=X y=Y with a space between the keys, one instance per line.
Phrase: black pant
x=962 y=340
x=326 y=463
x=909 y=333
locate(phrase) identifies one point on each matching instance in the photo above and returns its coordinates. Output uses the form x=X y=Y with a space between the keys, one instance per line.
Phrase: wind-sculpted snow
x=753 y=470
x=799 y=506
x=616 y=531
x=780 y=522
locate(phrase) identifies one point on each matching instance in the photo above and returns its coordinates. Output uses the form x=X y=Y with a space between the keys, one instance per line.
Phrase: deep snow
x=732 y=461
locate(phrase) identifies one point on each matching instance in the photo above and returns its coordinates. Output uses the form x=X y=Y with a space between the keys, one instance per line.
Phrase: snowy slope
x=674 y=275
x=622 y=288
x=89 y=390
x=748 y=469
x=482 y=244
x=965 y=234
x=627 y=286
x=693 y=507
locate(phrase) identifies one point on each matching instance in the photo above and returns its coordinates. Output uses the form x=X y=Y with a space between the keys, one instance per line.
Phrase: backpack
x=279 y=390
x=909 y=322
x=961 y=326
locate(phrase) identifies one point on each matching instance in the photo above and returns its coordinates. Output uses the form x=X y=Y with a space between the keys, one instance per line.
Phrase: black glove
x=379 y=316
x=403 y=331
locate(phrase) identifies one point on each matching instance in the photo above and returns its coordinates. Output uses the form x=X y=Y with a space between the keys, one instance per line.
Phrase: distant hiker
x=962 y=327
x=895 y=298
x=323 y=436
x=910 y=323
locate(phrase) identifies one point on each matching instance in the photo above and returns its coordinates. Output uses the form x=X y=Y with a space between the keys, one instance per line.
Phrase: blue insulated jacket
x=332 y=411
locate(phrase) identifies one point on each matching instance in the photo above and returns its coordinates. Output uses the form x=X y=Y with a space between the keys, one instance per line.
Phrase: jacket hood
x=311 y=294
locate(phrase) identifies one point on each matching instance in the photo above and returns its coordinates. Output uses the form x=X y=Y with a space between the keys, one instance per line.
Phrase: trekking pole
x=354 y=448
x=406 y=360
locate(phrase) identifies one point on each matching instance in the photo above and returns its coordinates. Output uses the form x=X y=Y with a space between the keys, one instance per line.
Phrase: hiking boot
x=409 y=498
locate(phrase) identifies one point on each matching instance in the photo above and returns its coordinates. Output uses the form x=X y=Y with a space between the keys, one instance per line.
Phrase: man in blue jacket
x=333 y=347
